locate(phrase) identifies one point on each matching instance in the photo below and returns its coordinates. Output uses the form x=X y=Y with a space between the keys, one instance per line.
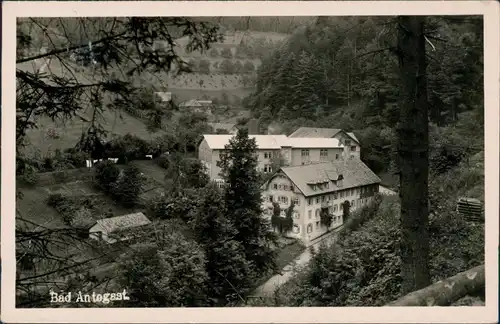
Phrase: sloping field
x=187 y=94
x=68 y=133
x=33 y=206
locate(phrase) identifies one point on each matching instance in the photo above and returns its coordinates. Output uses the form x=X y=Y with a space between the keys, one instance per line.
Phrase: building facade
x=273 y=151
x=319 y=188
x=199 y=106
x=211 y=147
x=347 y=139
x=302 y=151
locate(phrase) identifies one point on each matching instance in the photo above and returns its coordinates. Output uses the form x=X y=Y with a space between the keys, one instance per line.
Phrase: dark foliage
x=127 y=148
x=243 y=201
x=343 y=73
x=128 y=187
x=106 y=175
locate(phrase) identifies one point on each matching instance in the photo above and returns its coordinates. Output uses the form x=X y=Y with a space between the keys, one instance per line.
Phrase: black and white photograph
x=206 y=161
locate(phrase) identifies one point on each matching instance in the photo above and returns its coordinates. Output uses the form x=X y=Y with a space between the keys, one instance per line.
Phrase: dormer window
x=340 y=180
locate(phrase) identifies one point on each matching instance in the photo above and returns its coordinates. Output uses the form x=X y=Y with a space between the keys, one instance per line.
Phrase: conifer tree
x=243 y=199
x=228 y=270
x=308 y=79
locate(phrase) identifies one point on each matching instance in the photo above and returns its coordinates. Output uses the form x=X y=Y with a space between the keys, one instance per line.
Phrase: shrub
x=77 y=158
x=176 y=207
x=163 y=161
x=107 y=173
x=204 y=66
x=226 y=53
x=238 y=67
x=361 y=216
x=227 y=67
x=248 y=67
x=127 y=148
x=60 y=176
x=30 y=176
x=55 y=200
x=129 y=186
x=65 y=205
x=82 y=218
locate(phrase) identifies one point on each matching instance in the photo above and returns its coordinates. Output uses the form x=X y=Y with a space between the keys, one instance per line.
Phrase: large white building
x=319 y=187
x=291 y=151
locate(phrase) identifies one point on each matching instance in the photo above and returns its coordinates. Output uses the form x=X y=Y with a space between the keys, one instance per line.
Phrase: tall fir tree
x=306 y=88
x=238 y=163
x=228 y=270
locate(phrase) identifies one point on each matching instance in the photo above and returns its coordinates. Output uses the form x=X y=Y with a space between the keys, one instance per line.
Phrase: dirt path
x=268 y=288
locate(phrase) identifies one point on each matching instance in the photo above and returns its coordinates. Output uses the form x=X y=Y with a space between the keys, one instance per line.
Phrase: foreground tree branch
x=447 y=291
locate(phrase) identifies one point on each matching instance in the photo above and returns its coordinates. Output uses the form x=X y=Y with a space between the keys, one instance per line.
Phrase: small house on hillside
x=164 y=96
x=121 y=228
x=195 y=105
x=230 y=128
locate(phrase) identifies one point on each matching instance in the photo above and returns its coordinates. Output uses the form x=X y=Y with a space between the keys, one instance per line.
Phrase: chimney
x=253 y=126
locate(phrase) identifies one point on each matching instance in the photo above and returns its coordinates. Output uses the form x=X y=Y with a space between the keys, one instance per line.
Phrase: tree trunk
x=413 y=153
x=447 y=291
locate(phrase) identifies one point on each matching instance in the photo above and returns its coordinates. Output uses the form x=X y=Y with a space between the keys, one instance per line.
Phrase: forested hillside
x=348 y=73
x=342 y=72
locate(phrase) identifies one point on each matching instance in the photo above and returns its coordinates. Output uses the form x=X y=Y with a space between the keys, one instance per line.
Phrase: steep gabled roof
x=354 y=173
x=319 y=132
x=114 y=224
x=315 y=132
x=196 y=103
x=190 y=103
x=218 y=142
x=164 y=96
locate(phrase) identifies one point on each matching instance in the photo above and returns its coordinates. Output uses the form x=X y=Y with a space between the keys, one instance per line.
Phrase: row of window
x=332 y=209
x=323 y=153
x=270 y=155
x=341 y=194
x=280 y=186
x=282 y=200
x=309 y=228
x=266 y=169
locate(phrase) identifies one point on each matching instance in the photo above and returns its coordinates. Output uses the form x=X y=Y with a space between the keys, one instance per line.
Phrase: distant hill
x=215 y=83
x=229 y=66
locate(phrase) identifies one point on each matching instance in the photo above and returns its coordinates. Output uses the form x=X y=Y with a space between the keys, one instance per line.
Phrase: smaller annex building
x=120 y=228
